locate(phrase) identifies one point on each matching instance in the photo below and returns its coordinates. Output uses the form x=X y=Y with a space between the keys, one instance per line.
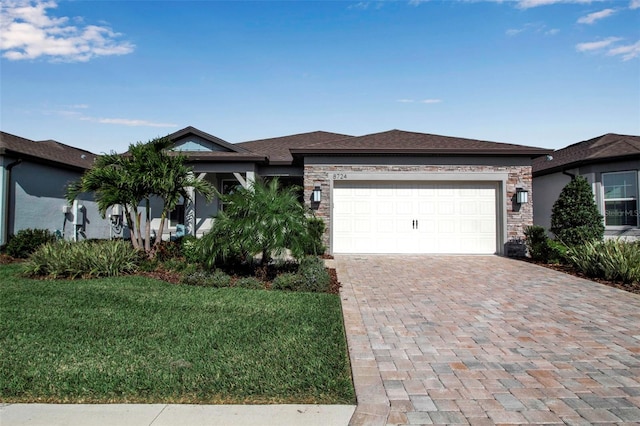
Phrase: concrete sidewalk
x=173 y=414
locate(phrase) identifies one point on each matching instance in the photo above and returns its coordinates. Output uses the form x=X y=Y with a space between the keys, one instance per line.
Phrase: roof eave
x=40 y=160
x=585 y=162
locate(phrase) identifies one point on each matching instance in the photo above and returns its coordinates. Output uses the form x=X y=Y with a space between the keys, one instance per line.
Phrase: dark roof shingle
x=46 y=151
x=402 y=142
x=278 y=149
x=606 y=147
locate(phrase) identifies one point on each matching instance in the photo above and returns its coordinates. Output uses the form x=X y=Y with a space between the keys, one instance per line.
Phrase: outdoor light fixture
x=522 y=196
x=316 y=196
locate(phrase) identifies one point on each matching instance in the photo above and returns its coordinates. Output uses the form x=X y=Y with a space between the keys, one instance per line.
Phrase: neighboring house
x=33 y=181
x=390 y=192
x=611 y=164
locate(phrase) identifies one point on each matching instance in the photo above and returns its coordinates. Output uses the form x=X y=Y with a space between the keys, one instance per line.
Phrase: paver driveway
x=487 y=340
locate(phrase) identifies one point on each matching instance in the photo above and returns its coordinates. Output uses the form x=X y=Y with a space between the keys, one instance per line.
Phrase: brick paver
x=487 y=340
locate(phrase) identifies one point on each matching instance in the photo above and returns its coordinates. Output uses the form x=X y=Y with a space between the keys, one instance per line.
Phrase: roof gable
x=45 y=151
x=603 y=148
x=191 y=139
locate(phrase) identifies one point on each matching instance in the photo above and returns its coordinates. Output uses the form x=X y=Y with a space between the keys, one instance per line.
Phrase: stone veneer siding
x=517 y=217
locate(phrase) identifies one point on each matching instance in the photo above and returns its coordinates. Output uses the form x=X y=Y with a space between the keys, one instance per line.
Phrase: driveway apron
x=487 y=340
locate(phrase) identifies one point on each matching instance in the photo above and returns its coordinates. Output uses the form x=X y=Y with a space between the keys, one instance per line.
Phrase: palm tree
x=263 y=218
x=131 y=179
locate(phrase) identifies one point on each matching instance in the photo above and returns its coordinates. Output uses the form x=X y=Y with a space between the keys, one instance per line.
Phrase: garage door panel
x=414 y=217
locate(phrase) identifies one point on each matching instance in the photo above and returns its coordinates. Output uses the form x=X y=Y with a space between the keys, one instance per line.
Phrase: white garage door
x=414 y=217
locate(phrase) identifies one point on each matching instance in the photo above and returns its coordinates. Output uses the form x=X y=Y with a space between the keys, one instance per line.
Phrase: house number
x=339 y=176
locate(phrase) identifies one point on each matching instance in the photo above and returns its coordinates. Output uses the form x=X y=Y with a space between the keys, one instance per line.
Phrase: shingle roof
x=278 y=149
x=402 y=142
x=45 y=151
x=606 y=147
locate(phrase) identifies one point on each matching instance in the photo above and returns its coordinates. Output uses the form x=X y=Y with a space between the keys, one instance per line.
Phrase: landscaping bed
x=136 y=339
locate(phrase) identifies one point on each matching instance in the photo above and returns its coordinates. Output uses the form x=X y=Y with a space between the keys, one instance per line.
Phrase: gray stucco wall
x=37 y=200
x=548 y=187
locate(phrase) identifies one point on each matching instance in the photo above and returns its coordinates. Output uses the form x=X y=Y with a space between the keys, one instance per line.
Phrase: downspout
x=7 y=211
x=571 y=175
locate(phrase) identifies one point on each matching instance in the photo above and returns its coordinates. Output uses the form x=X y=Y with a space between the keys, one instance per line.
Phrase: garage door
x=414 y=217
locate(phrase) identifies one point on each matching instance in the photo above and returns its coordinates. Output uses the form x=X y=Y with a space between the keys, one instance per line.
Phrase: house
x=33 y=180
x=389 y=192
x=611 y=164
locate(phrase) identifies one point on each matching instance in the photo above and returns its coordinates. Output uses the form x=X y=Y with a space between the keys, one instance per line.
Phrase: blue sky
x=100 y=75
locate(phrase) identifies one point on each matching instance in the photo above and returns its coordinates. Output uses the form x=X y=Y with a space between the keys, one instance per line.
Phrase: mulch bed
x=175 y=278
x=567 y=269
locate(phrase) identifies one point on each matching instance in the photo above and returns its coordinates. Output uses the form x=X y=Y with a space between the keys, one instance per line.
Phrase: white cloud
x=634 y=4
x=535 y=27
x=527 y=4
x=552 y=31
x=628 y=52
x=28 y=32
x=513 y=31
x=132 y=123
x=424 y=101
x=596 y=16
x=596 y=45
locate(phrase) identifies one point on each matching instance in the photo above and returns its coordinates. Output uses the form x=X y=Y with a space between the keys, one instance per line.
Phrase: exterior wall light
x=522 y=196
x=316 y=195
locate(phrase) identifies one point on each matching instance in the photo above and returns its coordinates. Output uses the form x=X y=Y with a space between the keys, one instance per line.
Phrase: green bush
x=217 y=279
x=26 y=241
x=287 y=281
x=315 y=231
x=250 y=283
x=85 y=259
x=614 y=260
x=575 y=217
x=543 y=248
x=189 y=246
x=314 y=275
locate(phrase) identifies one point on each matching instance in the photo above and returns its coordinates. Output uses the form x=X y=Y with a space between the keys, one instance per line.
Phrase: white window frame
x=604 y=200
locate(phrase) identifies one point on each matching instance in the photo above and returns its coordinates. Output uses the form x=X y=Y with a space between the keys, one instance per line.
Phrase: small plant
x=250 y=283
x=315 y=231
x=575 y=217
x=26 y=241
x=217 y=279
x=542 y=248
x=166 y=250
x=287 y=281
x=614 y=260
x=314 y=275
x=190 y=249
x=85 y=259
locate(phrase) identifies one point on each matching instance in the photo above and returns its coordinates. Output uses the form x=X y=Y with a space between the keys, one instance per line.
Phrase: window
x=176 y=217
x=228 y=186
x=620 y=198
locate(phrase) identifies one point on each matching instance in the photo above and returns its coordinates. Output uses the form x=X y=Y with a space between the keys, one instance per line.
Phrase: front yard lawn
x=136 y=339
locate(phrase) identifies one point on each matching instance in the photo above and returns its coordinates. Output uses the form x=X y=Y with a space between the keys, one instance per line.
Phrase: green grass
x=134 y=339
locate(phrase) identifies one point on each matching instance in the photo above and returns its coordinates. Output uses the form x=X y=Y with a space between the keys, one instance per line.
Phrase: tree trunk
x=147 y=227
x=132 y=229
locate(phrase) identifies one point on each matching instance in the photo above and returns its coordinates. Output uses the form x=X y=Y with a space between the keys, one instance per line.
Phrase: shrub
x=537 y=242
x=190 y=249
x=250 y=283
x=575 y=217
x=315 y=230
x=217 y=279
x=166 y=250
x=85 y=259
x=26 y=241
x=287 y=281
x=314 y=275
x=614 y=260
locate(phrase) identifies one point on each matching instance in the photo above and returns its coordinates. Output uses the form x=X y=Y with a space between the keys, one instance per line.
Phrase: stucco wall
x=38 y=195
x=516 y=217
x=547 y=190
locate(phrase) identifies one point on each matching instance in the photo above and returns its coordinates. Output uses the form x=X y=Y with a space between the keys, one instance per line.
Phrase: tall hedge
x=575 y=218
